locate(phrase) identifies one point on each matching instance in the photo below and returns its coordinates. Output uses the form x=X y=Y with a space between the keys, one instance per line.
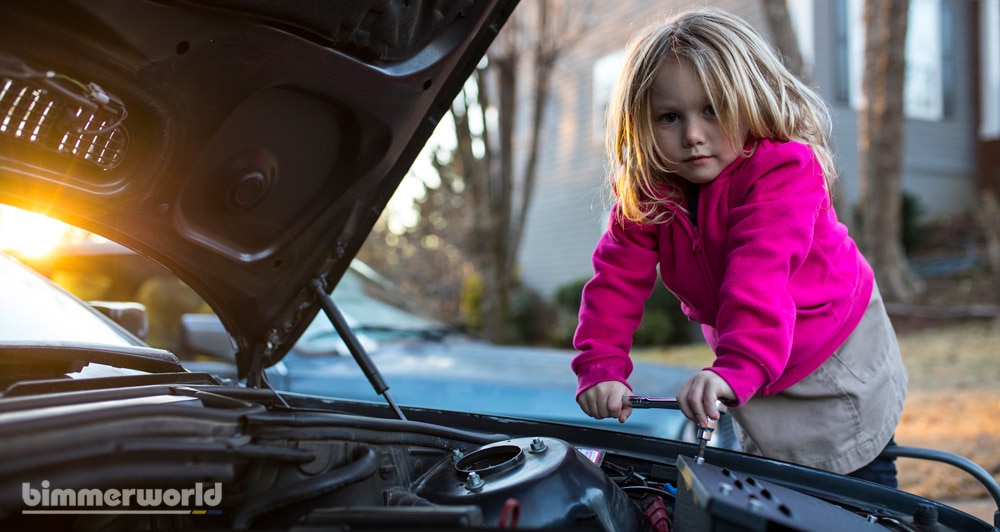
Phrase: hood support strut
x=354 y=345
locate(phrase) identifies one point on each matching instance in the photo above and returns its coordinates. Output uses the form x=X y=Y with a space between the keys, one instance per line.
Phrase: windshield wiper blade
x=433 y=334
x=354 y=346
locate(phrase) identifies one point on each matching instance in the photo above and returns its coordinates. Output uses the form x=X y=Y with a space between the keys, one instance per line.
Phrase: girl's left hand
x=698 y=394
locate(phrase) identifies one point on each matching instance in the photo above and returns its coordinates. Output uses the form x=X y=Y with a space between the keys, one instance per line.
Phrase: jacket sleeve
x=612 y=303
x=770 y=233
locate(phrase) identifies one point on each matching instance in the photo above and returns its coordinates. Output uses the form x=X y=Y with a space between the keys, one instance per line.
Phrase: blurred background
x=506 y=204
x=503 y=208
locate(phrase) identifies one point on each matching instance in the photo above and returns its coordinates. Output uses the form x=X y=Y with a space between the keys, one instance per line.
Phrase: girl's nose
x=694 y=133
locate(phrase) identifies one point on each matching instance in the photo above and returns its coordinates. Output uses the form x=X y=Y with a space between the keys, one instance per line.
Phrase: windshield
x=370 y=301
x=45 y=313
x=373 y=309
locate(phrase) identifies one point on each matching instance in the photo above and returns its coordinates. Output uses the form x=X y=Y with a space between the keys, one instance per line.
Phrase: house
x=951 y=132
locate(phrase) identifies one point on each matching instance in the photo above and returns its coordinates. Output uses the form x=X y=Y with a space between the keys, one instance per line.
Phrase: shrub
x=911 y=232
x=655 y=329
x=663 y=323
x=910 y=235
x=565 y=309
x=529 y=317
x=471 y=302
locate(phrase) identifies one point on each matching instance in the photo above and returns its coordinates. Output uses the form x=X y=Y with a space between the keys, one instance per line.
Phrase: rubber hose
x=364 y=465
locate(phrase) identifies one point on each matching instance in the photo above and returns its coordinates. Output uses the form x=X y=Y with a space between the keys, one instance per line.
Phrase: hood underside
x=247 y=146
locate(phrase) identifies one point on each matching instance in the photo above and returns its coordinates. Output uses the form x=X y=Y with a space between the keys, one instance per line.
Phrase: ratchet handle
x=668 y=403
x=645 y=401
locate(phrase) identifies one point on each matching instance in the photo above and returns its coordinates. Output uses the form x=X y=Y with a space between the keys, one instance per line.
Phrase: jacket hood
x=247 y=146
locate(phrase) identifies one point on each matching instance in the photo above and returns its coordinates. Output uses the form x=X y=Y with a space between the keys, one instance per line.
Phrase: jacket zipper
x=694 y=232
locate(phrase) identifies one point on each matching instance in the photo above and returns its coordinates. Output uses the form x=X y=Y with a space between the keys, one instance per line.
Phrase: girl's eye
x=710 y=111
x=669 y=118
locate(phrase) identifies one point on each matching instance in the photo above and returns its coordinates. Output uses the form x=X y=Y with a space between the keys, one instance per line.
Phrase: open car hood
x=247 y=145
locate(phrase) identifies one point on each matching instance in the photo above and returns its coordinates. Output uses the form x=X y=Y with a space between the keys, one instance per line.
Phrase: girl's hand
x=604 y=399
x=698 y=394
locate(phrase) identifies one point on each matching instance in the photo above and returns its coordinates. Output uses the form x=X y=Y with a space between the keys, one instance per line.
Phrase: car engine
x=261 y=460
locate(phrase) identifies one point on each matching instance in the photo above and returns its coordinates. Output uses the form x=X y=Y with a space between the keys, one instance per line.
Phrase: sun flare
x=29 y=234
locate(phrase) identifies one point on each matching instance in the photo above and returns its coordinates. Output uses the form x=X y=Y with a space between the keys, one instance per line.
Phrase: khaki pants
x=840 y=416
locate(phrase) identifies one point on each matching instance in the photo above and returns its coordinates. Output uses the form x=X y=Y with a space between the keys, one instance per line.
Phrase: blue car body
x=428 y=364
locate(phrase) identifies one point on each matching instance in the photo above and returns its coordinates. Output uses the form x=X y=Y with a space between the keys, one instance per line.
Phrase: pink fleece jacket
x=768 y=270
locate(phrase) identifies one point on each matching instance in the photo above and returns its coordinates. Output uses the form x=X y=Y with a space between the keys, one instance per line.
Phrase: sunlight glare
x=29 y=234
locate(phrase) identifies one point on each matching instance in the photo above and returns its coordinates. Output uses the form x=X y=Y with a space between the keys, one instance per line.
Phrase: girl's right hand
x=605 y=399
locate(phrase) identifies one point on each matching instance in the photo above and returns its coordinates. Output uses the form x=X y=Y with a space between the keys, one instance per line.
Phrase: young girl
x=723 y=179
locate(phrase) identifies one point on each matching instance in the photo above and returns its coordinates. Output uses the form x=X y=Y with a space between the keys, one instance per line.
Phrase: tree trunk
x=783 y=36
x=496 y=275
x=880 y=147
x=988 y=218
x=517 y=72
x=554 y=28
x=544 y=63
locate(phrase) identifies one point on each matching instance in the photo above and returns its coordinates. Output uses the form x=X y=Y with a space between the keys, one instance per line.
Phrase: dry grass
x=953 y=405
x=953 y=402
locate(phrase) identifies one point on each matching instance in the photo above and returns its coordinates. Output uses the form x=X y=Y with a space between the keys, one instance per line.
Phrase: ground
x=950 y=340
x=954 y=405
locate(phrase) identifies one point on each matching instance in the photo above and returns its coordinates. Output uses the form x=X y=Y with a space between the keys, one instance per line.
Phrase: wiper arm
x=27 y=357
x=354 y=346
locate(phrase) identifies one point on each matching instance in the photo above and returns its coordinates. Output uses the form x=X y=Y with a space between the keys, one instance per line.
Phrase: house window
x=801 y=13
x=929 y=37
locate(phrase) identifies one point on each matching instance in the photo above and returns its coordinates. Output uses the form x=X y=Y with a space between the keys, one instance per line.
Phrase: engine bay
x=264 y=461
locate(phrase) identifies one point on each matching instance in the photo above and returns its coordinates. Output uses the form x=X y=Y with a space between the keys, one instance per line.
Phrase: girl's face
x=686 y=129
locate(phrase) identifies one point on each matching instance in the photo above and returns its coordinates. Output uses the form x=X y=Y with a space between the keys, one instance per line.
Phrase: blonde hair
x=754 y=96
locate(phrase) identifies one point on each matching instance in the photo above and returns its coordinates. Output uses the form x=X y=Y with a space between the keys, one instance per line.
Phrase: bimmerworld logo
x=47 y=500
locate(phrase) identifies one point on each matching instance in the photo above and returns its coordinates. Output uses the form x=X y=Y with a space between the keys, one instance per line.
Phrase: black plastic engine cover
x=713 y=498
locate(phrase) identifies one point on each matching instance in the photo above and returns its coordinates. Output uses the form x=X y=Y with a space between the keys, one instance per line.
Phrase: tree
x=783 y=36
x=492 y=168
x=428 y=261
x=880 y=147
x=524 y=55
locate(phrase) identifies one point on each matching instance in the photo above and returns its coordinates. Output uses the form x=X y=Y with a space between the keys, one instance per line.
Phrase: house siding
x=939 y=162
x=570 y=204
